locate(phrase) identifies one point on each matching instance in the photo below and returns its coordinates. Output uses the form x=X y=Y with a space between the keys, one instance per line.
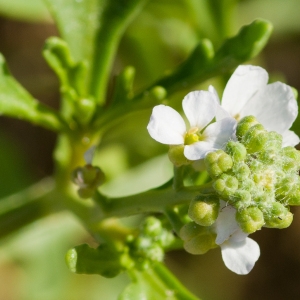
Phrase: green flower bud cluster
x=256 y=176
x=148 y=246
x=88 y=179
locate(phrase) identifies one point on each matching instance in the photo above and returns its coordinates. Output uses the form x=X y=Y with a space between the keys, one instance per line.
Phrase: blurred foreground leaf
x=29 y=10
x=103 y=260
x=14 y=174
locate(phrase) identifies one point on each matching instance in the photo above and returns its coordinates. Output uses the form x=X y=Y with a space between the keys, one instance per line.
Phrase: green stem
x=178 y=178
x=174 y=219
x=156 y=282
x=41 y=199
x=173 y=283
x=114 y=20
x=154 y=201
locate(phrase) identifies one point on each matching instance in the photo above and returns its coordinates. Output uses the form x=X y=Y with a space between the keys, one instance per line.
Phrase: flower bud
x=176 y=155
x=288 y=190
x=291 y=159
x=241 y=199
x=88 y=179
x=226 y=185
x=263 y=198
x=197 y=239
x=190 y=230
x=244 y=125
x=250 y=219
x=255 y=138
x=268 y=157
x=274 y=141
x=155 y=252
x=152 y=227
x=200 y=244
x=278 y=216
x=204 y=212
x=241 y=171
x=247 y=184
x=236 y=150
x=217 y=163
x=159 y=93
x=165 y=239
x=294 y=196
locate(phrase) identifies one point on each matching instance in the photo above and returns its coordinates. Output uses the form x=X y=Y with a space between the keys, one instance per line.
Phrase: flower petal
x=274 y=106
x=212 y=90
x=221 y=113
x=199 y=108
x=166 y=125
x=242 y=85
x=220 y=132
x=225 y=224
x=240 y=254
x=197 y=150
x=290 y=138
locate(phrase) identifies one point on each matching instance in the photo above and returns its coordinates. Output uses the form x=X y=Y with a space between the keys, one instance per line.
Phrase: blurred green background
x=32 y=260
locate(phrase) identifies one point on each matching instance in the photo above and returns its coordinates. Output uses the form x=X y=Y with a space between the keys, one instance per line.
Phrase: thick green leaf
x=202 y=65
x=114 y=20
x=77 y=22
x=72 y=75
x=16 y=102
x=93 y=29
x=250 y=40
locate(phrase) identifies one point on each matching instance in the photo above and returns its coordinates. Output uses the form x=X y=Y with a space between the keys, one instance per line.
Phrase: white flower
x=168 y=127
x=273 y=105
x=239 y=252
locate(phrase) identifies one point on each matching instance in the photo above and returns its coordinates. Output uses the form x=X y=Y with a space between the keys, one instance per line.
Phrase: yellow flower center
x=192 y=136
